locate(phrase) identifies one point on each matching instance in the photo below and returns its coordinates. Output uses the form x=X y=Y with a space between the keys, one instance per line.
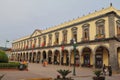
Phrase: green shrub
x=9 y=65
x=3 y=57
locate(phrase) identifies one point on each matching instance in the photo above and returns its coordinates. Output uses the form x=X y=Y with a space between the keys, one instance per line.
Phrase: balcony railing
x=118 y=35
x=99 y=36
x=85 y=39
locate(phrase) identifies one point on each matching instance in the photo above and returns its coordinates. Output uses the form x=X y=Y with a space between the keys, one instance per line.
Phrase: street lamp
x=6 y=43
x=74 y=47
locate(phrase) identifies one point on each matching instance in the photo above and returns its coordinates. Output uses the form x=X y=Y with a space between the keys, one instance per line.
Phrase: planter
x=99 y=78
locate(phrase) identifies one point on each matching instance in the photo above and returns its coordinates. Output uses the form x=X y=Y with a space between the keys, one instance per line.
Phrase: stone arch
x=65 y=57
x=50 y=57
x=57 y=57
x=101 y=46
x=86 y=57
x=101 y=56
x=77 y=58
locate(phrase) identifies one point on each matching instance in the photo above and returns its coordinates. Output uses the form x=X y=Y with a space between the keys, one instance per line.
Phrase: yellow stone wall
x=92 y=33
x=105 y=57
x=119 y=57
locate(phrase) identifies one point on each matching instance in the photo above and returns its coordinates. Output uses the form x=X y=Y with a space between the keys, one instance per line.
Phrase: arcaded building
x=97 y=37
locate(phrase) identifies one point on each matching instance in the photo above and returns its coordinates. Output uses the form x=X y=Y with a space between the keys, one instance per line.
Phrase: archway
x=101 y=57
x=49 y=57
x=57 y=57
x=86 y=57
x=20 y=56
x=38 y=57
x=30 y=57
x=44 y=55
x=27 y=56
x=23 y=56
x=34 y=57
x=118 y=52
x=77 y=58
x=65 y=58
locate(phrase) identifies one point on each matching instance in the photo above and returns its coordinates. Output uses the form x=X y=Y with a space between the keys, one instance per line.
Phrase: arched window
x=56 y=38
x=118 y=27
x=44 y=41
x=100 y=28
x=39 y=41
x=50 y=40
x=85 y=29
x=74 y=33
x=64 y=36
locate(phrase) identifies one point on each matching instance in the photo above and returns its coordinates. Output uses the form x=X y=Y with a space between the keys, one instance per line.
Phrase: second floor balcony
x=84 y=39
x=99 y=36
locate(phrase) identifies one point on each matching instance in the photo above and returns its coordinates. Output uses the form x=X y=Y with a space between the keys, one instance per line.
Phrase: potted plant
x=63 y=73
x=98 y=75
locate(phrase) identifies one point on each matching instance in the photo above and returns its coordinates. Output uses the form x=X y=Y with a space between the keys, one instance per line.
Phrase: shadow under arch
x=101 y=56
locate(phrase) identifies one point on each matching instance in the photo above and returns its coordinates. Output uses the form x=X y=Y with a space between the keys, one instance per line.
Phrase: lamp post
x=6 y=43
x=74 y=47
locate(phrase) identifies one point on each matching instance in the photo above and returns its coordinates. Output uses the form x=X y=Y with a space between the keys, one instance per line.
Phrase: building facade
x=97 y=36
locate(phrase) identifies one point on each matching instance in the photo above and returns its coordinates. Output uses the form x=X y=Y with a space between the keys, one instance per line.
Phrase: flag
x=43 y=44
x=26 y=47
x=62 y=47
x=33 y=46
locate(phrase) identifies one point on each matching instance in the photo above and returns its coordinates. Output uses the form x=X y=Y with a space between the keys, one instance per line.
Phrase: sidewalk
x=50 y=71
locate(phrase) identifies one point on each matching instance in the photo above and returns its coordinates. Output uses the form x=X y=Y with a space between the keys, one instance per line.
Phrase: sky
x=19 y=18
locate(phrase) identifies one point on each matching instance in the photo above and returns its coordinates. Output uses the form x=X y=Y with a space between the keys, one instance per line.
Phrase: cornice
x=75 y=24
x=78 y=43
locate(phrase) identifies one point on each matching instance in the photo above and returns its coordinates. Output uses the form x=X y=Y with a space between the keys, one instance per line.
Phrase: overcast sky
x=19 y=18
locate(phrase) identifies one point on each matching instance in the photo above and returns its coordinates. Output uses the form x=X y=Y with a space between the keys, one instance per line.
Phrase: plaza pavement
x=50 y=71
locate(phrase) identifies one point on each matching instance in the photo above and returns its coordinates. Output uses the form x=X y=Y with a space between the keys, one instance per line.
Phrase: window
x=56 y=38
x=74 y=33
x=85 y=29
x=44 y=41
x=118 y=27
x=100 y=28
x=64 y=37
x=50 y=40
x=34 y=44
x=39 y=41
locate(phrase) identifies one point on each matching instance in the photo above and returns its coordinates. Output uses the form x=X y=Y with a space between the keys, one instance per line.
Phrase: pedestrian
x=110 y=70
x=43 y=63
x=104 y=69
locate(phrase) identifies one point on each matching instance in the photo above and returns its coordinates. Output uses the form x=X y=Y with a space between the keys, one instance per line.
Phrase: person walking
x=110 y=70
x=104 y=69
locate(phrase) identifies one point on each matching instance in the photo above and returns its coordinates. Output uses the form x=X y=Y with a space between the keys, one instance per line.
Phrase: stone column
x=69 y=56
x=60 y=57
x=111 y=24
x=113 y=56
x=93 y=53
